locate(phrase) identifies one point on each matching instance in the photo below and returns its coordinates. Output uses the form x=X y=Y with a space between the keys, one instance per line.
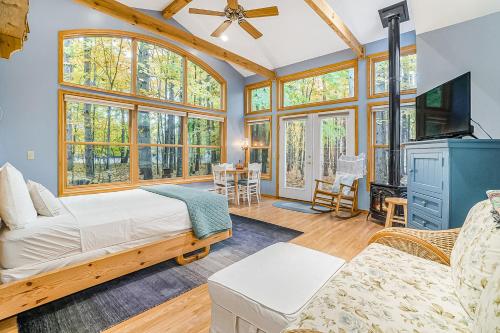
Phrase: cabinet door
x=427 y=170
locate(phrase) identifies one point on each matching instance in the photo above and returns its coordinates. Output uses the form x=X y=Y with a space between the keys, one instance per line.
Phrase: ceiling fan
x=235 y=12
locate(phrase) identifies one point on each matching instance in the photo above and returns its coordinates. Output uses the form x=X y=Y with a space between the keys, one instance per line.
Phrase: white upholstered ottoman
x=265 y=291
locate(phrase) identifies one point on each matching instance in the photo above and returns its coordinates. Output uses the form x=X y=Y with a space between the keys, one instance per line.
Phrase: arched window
x=126 y=63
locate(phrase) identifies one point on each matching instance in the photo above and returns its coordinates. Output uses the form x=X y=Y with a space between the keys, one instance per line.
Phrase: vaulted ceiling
x=299 y=34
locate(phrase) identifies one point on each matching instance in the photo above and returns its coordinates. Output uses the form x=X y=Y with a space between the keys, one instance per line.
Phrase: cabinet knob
x=410 y=171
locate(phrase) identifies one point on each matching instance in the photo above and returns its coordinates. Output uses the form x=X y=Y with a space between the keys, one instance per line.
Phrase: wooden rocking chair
x=336 y=201
x=342 y=196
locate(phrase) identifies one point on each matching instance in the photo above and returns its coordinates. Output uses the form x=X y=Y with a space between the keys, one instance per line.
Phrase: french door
x=310 y=146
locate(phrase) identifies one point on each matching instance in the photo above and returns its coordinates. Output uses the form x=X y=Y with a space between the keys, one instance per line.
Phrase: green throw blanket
x=208 y=211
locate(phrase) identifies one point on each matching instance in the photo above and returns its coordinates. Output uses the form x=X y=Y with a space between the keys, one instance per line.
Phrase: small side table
x=391 y=211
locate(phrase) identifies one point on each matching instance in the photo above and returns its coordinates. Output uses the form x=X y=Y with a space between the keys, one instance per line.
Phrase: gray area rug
x=108 y=304
x=300 y=207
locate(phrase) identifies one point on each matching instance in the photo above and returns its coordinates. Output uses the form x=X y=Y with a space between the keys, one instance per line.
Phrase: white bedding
x=109 y=221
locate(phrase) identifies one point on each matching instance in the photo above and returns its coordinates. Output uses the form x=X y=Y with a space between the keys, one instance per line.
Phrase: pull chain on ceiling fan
x=235 y=12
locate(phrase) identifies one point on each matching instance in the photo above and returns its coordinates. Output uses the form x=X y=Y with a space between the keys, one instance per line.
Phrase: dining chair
x=223 y=184
x=249 y=187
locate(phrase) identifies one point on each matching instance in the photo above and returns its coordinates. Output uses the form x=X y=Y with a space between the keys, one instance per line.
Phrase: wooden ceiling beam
x=120 y=11
x=174 y=7
x=13 y=26
x=326 y=12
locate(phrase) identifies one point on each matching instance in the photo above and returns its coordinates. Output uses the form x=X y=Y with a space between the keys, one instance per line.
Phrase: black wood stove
x=391 y=18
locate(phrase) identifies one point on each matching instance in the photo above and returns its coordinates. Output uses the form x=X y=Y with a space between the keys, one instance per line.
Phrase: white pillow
x=46 y=204
x=16 y=207
x=345 y=179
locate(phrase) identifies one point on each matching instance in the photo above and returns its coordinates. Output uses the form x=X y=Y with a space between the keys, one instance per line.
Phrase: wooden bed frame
x=25 y=294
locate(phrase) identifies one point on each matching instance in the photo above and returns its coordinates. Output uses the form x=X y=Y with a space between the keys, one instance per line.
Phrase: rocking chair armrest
x=430 y=245
x=323 y=181
x=345 y=185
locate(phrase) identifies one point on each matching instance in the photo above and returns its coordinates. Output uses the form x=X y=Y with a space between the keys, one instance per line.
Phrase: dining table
x=236 y=175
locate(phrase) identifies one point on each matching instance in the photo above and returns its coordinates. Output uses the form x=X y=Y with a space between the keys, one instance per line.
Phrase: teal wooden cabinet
x=447 y=177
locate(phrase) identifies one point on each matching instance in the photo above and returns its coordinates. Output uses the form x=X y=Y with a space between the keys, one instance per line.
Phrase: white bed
x=91 y=226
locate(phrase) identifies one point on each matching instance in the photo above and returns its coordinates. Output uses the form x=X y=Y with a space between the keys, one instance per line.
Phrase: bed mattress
x=92 y=223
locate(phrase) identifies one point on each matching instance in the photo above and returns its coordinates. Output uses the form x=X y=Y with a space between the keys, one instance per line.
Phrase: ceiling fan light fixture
x=234 y=12
x=224 y=38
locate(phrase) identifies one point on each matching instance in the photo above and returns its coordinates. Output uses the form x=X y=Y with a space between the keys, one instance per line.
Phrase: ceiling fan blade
x=262 y=12
x=206 y=12
x=233 y=4
x=221 y=28
x=250 y=29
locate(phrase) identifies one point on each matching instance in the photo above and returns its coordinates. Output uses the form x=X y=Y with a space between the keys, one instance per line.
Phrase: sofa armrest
x=431 y=245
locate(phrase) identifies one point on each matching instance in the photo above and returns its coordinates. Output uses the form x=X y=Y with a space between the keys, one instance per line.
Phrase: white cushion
x=16 y=207
x=344 y=179
x=270 y=287
x=46 y=204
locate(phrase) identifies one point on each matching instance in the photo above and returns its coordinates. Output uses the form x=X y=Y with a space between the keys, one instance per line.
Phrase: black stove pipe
x=394 y=101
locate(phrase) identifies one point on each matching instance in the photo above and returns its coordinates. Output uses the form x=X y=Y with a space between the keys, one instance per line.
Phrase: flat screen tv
x=445 y=111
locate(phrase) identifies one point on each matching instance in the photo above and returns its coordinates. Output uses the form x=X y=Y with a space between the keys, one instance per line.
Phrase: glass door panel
x=333 y=144
x=295 y=153
x=296 y=156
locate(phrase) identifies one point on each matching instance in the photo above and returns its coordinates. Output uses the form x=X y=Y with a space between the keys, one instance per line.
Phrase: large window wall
x=316 y=89
x=108 y=144
x=129 y=64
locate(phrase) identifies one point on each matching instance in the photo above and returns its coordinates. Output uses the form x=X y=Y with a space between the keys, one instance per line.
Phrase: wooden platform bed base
x=25 y=294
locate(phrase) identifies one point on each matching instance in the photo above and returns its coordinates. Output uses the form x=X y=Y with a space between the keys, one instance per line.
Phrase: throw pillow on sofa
x=494 y=197
x=475 y=256
x=16 y=207
x=488 y=312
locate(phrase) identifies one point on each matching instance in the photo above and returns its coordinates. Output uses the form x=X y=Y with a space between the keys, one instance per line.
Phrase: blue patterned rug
x=108 y=304
x=300 y=207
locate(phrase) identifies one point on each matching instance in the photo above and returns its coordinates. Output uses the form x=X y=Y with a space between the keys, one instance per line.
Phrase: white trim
x=378 y=108
x=292 y=116
x=160 y=110
x=87 y=100
x=202 y=116
x=345 y=112
x=258 y=121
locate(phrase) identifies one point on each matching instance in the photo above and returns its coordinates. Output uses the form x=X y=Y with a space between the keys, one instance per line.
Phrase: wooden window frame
x=143 y=38
x=188 y=146
x=353 y=63
x=370 y=137
x=248 y=97
x=248 y=122
x=372 y=60
x=134 y=182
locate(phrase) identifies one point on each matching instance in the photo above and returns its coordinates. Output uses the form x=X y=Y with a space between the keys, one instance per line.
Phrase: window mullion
x=134 y=151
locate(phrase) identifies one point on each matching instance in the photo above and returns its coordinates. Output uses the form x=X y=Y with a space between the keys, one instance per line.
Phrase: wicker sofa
x=415 y=281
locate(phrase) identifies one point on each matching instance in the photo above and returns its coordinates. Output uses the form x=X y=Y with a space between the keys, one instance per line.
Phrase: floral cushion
x=475 y=256
x=494 y=197
x=386 y=290
x=488 y=312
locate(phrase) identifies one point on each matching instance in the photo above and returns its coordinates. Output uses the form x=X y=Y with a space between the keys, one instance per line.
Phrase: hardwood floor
x=190 y=312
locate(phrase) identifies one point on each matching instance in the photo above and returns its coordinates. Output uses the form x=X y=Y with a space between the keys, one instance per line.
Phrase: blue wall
x=469 y=46
x=269 y=187
x=28 y=89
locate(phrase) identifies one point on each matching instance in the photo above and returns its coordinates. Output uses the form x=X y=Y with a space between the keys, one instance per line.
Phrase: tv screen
x=445 y=110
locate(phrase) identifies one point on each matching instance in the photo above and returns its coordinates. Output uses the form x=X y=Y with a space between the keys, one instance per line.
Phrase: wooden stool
x=391 y=211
